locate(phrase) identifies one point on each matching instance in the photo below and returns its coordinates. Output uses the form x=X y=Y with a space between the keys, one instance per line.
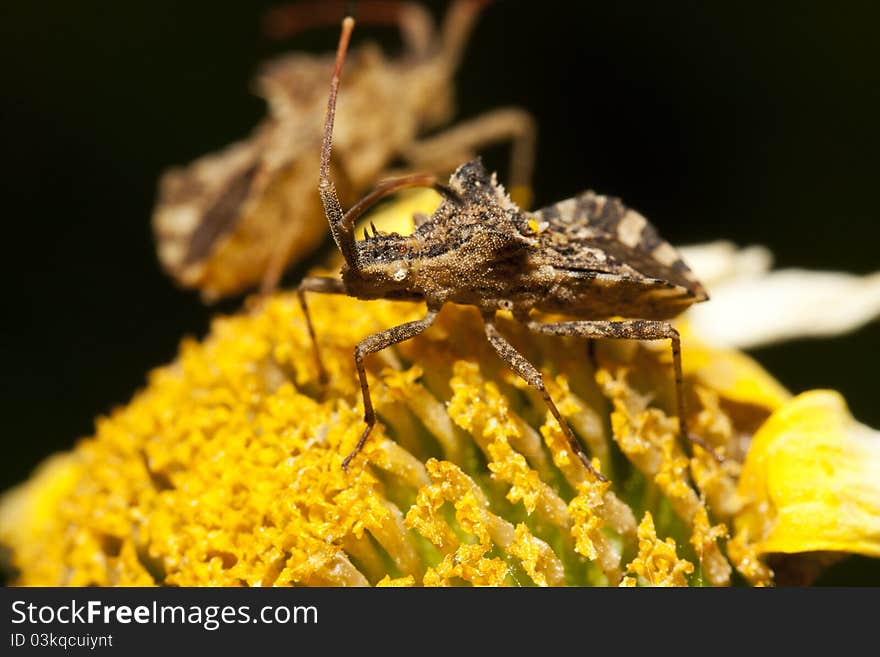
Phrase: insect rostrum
x=588 y=257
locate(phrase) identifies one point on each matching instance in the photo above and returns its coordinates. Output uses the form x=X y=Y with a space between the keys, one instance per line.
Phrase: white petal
x=721 y=262
x=790 y=303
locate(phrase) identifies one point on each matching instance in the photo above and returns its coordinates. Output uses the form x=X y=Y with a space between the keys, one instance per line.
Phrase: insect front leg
x=631 y=330
x=323 y=285
x=529 y=373
x=457 y=27
x=505 y=124
x=370 y=345
x=278 y=259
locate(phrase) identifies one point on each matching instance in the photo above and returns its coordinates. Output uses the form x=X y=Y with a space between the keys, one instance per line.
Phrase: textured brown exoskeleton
x=588 y=257
x=233 y=219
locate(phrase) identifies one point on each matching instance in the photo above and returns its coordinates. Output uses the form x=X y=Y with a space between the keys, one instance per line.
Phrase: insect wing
x=594 y=233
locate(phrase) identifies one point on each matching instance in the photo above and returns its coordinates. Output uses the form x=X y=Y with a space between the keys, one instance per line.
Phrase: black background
x=755 y=122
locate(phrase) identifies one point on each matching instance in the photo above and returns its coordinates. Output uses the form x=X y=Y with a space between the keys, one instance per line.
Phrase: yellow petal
x=733 y=374
x=811 y=480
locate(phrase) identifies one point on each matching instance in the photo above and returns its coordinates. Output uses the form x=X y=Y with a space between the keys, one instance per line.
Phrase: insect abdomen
x=592 y=295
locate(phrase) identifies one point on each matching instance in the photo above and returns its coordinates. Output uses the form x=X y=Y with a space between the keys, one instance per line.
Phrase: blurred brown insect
x=239 y=217
x=587 y=257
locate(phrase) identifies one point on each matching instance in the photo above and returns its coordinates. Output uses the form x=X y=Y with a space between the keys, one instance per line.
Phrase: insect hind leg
x=529 y=373
x=504 y=125
x=636 y=329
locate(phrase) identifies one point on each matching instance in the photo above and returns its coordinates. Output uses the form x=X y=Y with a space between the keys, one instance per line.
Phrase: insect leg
x=370 y=345
x=324 y=285
x=278 y=259
x=505 y=124
x=528 y=373
x=632 y=330
x=457 y=27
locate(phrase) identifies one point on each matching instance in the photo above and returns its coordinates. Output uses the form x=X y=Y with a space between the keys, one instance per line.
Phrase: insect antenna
x=342 y=223
x=343 y=233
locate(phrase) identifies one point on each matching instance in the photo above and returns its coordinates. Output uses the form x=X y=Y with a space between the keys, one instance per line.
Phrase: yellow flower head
x=657 y=564
x=226 y=468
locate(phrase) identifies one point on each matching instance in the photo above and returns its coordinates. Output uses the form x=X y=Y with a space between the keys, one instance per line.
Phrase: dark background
x=756 y=122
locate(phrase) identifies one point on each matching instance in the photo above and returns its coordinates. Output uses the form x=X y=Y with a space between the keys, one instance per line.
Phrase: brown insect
x=588 y=257
x=237 y=218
